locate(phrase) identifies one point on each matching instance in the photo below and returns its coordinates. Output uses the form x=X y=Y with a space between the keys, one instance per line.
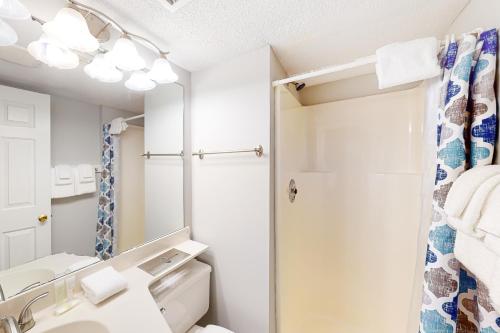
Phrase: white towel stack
x=68 y=181
x=402 y=63
x=103 y=284
x=63 y=181
x=473 y=209
x=85 y=179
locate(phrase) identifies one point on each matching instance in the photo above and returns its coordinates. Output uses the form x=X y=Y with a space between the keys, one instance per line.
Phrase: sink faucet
x=9 y=325
x=26 y=321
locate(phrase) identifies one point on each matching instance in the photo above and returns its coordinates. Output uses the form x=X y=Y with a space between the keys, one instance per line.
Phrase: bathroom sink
x=80 y=327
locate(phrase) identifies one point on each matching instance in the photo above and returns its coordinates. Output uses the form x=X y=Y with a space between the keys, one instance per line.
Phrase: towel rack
x=148 y=155
x=259 y=151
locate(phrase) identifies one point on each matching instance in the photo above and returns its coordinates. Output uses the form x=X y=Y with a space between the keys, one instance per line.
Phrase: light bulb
x=139 y=81
x=125 y=56
x=71 y=29
x=103 y=70
x=8 y=36
x=14 y=10
x=162 y=72
x=53 y=53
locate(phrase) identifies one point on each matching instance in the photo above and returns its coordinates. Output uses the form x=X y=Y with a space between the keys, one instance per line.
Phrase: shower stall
x=349 y=179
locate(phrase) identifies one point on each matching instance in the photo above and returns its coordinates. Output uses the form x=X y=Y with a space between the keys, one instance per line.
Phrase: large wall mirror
x=88 y=169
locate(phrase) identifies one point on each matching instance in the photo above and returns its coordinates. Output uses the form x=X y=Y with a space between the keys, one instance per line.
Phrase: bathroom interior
x=264 y=166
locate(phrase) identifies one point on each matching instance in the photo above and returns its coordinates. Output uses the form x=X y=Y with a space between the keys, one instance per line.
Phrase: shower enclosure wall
x=347 y=246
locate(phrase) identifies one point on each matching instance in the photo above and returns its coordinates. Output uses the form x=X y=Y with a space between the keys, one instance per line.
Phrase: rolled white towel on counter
x=402 y=63
x=103 y=284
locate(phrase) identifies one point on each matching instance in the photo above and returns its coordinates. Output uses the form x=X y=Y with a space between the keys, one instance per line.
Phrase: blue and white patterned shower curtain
x=453 y=300
x=106 y=224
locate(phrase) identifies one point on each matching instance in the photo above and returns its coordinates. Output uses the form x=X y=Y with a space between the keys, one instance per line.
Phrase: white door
x=24 y=176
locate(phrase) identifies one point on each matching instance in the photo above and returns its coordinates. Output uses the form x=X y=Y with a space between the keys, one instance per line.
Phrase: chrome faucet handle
x=9 y=325
x=26 y=321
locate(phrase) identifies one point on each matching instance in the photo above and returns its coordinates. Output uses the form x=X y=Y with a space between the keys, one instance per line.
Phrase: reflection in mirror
x=76 y=183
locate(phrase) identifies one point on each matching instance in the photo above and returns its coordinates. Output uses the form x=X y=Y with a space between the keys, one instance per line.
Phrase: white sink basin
x=80 y=327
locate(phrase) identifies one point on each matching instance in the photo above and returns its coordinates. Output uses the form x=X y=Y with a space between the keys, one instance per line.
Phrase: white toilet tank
x=183 y=295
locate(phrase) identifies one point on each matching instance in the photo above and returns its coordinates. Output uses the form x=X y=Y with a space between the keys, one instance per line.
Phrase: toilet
x=183 y=298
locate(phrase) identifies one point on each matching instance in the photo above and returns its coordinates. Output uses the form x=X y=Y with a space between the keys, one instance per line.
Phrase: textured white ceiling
x=306 y=34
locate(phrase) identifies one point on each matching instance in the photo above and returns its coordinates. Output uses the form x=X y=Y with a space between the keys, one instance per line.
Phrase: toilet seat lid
x=215 y=329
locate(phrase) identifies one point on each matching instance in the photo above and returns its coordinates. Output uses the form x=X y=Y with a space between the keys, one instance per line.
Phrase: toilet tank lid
x=215 y=329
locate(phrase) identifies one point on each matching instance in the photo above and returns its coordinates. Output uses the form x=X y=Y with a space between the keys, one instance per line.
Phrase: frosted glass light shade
x=53 y=53
x=8 y=36
x=139 y=81
x=103 y=70
x=70 y=28
x=125 y=56
x=14 y=10
x=162 y=72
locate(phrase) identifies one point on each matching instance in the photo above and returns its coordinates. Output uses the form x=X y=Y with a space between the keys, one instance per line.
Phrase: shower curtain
x=453 y=300
x=107 y=219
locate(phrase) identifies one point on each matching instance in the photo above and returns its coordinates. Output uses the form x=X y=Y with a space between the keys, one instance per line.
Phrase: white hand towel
x=64 y=175
x=402 y=63
x=492 y=242
x=103 y=284
x=482 y=262
x=465 y=186
x=468 y=221
x=61 y=190
x=81 y=264
x=85 y=179
x=118 y=125
x=215 y=329
x=490 y=215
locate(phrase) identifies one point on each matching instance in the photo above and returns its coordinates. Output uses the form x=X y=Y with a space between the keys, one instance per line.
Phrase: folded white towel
x=81 y=264
x=412 y=61
x=103 y=284
x=468 y=221
x=64 y=188
x=215 y=329
x=118 y=125
x=85 y=179
x=465 y=186
x=492 y=242
x=63 y=175
x=490 y=214
x=482 y=262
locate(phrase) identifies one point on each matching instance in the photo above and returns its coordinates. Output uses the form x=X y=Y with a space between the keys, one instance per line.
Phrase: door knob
x=43 y=218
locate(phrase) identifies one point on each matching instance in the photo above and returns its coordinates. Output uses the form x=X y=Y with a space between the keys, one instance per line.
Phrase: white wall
x=164 y=119
x=231 y=194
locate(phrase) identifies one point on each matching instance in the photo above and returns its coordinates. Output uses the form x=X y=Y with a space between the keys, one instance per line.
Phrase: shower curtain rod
x=134 y=117
x=340 y=68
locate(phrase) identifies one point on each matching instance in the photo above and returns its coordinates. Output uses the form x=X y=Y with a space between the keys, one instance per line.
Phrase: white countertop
x=131 y=311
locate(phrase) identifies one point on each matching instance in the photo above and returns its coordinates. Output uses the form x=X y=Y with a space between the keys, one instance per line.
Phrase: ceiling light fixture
x=162 y=72
x=102 y=69
x=71 y=29
x=14 y=10
x=53 y=53
x=125 y=56
x=8 y=36
x=139 y=81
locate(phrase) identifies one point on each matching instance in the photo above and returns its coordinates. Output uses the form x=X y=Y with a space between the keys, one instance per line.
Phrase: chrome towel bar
x=259 y=151
x=148 y=155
